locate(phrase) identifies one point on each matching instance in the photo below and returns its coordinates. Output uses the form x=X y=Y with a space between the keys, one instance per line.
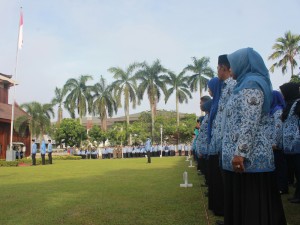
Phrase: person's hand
x=238 y=164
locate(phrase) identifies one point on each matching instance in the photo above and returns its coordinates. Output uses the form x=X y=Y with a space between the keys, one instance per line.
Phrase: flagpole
x=14 y=83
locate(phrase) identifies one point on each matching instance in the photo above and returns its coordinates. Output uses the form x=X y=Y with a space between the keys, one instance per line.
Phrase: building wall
x=5 y=140
x=3 y=93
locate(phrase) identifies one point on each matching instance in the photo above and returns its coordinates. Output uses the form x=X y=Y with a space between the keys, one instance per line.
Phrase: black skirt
x=215 y=186
x=252 y=199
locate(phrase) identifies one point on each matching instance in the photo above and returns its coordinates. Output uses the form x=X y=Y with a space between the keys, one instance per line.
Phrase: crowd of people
x=133 y=151
x=248 y=143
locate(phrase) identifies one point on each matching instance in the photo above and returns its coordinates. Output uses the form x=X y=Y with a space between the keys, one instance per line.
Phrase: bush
x=8 y=163
x=68 y=157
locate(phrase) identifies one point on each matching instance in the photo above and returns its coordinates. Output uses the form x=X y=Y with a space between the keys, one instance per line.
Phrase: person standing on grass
x=50 y=151
x=33 y=152
x=250 y=189
x=148 y=149
x=291 y=131
x=43 y=152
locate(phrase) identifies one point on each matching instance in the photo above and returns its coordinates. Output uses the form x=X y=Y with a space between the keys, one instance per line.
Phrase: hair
x=205 y=98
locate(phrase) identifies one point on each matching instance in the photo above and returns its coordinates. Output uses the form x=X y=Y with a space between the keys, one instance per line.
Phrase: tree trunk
x=200 y=88
x=177 y=114
x=59 y=117
x=127 y=120
x=104 y=122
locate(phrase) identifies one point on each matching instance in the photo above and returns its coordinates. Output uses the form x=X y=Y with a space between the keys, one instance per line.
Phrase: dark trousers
x=50 y=157
x=295 y=162
x=290 y=168
x=43 y=159
x=179 y=151
x=33 y=159
x=281 y=170
x=149 y=156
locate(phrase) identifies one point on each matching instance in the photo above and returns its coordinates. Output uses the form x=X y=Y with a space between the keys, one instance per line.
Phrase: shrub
x=8 y=163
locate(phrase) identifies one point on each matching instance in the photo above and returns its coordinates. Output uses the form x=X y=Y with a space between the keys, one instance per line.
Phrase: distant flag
x=20 y=41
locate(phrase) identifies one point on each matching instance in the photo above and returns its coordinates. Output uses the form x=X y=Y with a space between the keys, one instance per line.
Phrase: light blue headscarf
x=215 y=86
x=251 y=72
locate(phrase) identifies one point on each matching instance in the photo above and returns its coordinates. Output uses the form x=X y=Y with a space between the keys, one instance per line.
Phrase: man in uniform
x=43 y=152
x=50 y=151
x=148 y=149
x=33 y=152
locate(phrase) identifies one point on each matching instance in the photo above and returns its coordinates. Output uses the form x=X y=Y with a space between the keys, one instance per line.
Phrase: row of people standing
x=234 y=142
x=43 y=151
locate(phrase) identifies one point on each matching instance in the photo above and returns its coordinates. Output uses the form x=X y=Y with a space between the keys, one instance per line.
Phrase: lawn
x=112 y=192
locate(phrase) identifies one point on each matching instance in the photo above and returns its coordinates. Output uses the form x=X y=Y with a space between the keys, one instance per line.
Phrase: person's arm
x=251 y=110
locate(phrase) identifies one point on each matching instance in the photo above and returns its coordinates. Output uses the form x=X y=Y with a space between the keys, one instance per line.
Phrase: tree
x=103 y=102
x=70 y=132
x=79 y=96
x=96 y=134
x=285 y=49
x=58 y=99
x=151 y=81
x=126 y=85
x=178 y=84
x=39 y=120
x=199 y=67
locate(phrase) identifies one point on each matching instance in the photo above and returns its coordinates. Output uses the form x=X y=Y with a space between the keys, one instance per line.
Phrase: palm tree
x=285 y=50
x=199 y=68
x=179 y=85
x=58 y=100
x=125 y=84
x=79 y=96
x=151 y=80
x=39 y=120
x=103 y=102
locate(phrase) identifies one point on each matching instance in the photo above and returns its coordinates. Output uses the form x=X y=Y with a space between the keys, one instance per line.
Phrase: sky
x=64 y=39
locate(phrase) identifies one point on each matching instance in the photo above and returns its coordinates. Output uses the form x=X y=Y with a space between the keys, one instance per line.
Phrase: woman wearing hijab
x=202 y=145
x=250 y=191
x=275 y=135
x=215 y=186
x=291 y=131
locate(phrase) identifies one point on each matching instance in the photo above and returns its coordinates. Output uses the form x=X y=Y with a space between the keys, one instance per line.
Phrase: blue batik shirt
x=217 y=129
x=291 y=132
x=274 y=129
x=202 y=143
x=49 y=147
x=33 y=148
x=43 y=148
x=245 y=132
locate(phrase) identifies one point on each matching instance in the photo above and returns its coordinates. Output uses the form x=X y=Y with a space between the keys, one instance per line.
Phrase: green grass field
x=114 y=192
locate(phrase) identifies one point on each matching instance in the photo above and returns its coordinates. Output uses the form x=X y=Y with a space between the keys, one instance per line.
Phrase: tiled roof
x=5 y=111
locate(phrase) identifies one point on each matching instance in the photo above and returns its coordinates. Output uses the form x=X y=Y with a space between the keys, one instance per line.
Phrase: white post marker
x=185 y=180
x=187 y=159
x=191 y=163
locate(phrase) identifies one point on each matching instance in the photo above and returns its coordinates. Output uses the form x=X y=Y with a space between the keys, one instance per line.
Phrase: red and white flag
x=20 y=41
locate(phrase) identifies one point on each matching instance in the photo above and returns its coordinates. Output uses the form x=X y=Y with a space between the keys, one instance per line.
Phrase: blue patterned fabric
x=290 y=130
x=274 y=129
x=215 y=86
x=202 y=145
x=277 y=102
x=218 y=123
x=245 y=132
x=251 y=72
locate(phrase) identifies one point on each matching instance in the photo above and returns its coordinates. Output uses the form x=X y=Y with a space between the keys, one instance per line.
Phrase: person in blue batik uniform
x=50 y=151
x=43 y=152
x=274 y=132
x=148 y=149
x=215 y=184
x=33 y=152
x=250 y=191
x=215 y=133
x=291 y=131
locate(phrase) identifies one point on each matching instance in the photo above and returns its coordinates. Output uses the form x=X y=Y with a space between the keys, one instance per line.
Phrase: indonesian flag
x=20 y=41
